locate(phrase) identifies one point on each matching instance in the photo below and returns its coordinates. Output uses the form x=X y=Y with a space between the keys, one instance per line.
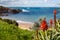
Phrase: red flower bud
x=51 y=21
x=55 y=11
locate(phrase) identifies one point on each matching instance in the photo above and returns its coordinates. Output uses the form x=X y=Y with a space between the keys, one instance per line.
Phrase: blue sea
x=32 y=14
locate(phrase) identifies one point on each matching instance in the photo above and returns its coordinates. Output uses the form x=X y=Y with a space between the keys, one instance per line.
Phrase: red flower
x=44 y=25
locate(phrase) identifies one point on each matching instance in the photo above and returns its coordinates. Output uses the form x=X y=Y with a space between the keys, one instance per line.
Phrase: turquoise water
x=32 y=14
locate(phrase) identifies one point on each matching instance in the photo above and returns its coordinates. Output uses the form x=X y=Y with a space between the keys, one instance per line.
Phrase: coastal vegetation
x=12 y=32
x=9 y=21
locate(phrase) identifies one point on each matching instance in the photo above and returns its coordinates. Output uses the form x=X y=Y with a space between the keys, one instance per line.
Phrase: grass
x=12 y=32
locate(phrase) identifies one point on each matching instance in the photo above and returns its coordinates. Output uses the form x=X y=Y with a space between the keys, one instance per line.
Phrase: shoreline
x=23 y=21
x=25 y=25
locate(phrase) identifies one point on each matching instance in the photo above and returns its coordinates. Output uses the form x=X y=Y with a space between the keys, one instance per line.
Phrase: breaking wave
x=25 y=10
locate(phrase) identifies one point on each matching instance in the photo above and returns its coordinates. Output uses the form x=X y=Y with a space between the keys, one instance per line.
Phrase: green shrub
x=12 y=32
x=9 y=21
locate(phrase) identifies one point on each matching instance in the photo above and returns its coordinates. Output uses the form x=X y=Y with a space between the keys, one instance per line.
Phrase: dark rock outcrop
x=15 y=11
x=8 y=10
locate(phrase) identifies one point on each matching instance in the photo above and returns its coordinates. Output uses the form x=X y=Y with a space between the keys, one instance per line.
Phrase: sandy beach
x=25 y=25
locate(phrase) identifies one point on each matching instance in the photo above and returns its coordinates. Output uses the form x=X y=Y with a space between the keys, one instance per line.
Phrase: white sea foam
x=25 y=10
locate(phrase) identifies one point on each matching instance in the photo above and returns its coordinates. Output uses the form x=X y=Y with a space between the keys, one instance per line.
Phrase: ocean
x=33 y=14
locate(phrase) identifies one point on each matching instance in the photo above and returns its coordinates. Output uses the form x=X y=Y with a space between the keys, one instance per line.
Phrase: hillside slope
x=12 y=32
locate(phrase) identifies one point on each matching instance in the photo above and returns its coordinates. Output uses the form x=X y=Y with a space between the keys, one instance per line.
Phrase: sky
x=30 y=3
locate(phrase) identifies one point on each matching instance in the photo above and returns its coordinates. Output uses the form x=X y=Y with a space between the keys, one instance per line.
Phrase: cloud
x=45 y=0
x=7 y=0
x=32 y=3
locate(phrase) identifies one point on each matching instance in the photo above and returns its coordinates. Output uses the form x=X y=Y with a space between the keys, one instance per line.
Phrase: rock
x=8 y=10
